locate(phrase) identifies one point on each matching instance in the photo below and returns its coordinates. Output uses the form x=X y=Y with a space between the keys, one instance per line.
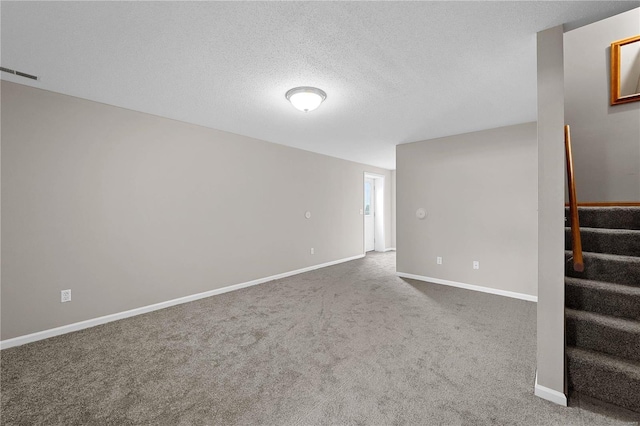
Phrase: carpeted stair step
x=604 y=377
x=625 y=242
x=606 y=267
x=619 y=337
x=606 y=217
x=603 y=298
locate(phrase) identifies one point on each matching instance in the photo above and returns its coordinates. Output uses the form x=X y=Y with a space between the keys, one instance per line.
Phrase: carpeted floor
x=603 y=306
x=348 y=344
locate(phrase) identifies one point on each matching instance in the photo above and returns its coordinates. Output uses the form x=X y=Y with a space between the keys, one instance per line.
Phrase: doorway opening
x=373 y=213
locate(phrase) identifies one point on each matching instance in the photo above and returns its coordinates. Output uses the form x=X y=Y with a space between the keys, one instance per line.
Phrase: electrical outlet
x=312 y=251
x=476 y=264
x=65 y=296
x=439 y=260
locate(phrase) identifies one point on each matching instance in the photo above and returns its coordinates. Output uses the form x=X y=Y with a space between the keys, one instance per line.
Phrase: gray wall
x=551 y=171
x=606 y=139
x=480 y=193
x=128 y=209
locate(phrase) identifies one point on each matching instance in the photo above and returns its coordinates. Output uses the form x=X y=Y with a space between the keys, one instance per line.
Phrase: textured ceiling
x=394 y=72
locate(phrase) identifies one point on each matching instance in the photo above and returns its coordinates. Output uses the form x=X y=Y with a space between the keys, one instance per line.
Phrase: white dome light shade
x=306 y=98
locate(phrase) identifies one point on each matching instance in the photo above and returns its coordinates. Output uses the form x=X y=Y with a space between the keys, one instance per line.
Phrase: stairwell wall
x=605 y=138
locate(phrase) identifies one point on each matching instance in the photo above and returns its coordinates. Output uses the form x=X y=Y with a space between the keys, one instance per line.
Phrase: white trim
x=378 y=220
x=506 y=293
x=550 y=394
x=374 y=175
x=390 y=249
x=40 y=335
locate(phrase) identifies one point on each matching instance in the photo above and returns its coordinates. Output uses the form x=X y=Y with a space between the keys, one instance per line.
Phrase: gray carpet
x=603 y=306
x=605 y=298
x=607 y=217
x=348 y=344
x=612 y=241
x=612 y=268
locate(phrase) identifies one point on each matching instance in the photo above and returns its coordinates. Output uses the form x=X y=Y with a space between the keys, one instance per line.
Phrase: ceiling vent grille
x=20 y=73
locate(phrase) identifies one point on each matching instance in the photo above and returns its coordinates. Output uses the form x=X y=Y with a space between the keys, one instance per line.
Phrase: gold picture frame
x=625 y=70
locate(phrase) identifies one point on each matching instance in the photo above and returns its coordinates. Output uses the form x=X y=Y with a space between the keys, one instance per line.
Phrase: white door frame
x=378 y=209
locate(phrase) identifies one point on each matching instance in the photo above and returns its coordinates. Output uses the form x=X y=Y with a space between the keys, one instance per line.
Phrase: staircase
x=603 y=306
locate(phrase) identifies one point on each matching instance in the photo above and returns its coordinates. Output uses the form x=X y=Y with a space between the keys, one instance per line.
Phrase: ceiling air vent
x=20 y=73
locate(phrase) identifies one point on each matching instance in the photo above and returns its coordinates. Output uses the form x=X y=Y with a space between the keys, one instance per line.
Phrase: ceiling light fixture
x=306 y=98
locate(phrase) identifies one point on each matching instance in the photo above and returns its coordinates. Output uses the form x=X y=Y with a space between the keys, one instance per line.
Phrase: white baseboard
x=34 y=337
x=506 y=293
x=550 y=394
x=390 y=249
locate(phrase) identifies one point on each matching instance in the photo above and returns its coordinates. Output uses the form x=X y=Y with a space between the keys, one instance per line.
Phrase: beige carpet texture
x=349 y=344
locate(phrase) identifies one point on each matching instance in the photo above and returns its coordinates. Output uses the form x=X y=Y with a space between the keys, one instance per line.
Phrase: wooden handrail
x=578 y=263
x=607 y=204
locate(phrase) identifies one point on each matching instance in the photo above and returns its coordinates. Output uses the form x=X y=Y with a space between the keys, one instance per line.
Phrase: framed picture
x=625 y=70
